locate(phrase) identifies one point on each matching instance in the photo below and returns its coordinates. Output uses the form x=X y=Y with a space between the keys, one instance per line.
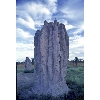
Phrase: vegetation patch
x=74 y=79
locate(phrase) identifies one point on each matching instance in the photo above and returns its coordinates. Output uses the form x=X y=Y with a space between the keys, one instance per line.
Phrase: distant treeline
x=32 y=61
x=75 y=62
x=79 y=60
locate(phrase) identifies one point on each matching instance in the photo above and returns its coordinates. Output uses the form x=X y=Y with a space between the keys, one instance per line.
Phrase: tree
x=32 y=61
x=76 y=60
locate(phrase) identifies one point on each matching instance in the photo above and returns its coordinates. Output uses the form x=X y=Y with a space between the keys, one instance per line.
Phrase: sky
x=30 y=16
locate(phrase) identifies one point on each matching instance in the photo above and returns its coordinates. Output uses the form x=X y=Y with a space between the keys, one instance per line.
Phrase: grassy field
x=21 y=67
x=74 y=79
x=73 y=64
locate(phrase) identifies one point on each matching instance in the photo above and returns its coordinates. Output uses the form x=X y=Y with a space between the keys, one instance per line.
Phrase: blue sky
x=30 y=16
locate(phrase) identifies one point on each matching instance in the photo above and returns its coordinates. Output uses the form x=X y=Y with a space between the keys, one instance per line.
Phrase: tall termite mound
x=51 y=55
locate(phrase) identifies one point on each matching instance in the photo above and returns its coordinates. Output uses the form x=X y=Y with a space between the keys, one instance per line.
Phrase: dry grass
x=23 y=66
x=78 y=64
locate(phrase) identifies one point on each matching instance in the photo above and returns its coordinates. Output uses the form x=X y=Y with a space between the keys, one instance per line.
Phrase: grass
x=21 y=68
x=75 y=81
x=75 y=74
x=74 y=65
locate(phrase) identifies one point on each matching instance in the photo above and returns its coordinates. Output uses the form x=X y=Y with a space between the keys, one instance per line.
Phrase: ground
x=74 y=79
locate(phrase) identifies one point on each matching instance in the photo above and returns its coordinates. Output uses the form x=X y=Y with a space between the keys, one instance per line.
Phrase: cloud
x=22 y=34
x=79 y=29
x=72 y=14
x=52 y=5
x=76 y=41
x=30 y=16
x=67 y=25
x=76 y=52
x=73 y=10
x=76 y=47
x=30 y=23
x=33 y=16
x=38 y=9
x=24 y=46
x=24 y=50
x=21 y=55
x=80 y=56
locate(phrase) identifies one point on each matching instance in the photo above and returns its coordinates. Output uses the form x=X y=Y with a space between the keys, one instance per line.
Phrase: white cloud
x=30 y=23
x=77 y=52
x=23 y=51
x=50 y=2
x=22 y=34
x=24 y=46
x=21 y=55
x=80 y=28
x=67 y=26
x=32 y=15
x=72 y=14
x=73 y=10
x=35 y=14
x=76 y=47
x=37 y=9
x=76 y=41
x=51 y=5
